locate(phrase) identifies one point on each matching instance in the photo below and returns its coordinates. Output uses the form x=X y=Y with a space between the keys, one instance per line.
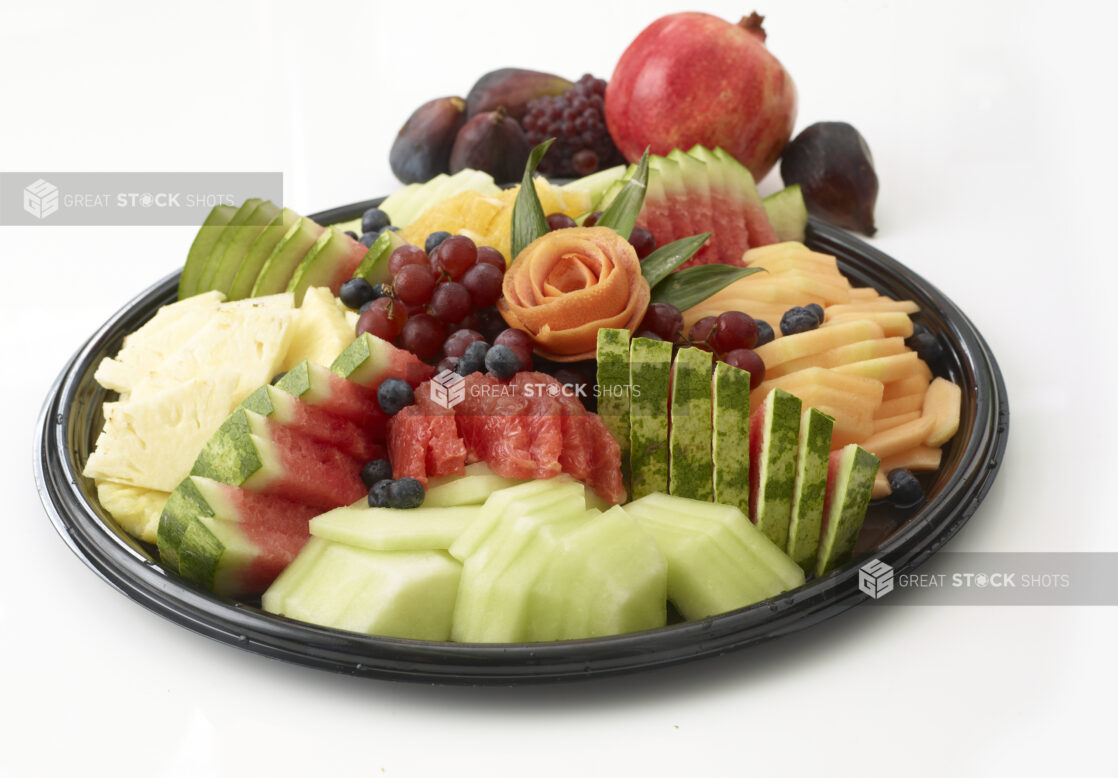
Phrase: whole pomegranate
x=695 y=78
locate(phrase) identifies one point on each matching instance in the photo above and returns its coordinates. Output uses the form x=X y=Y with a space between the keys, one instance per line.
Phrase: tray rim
x=125 y=565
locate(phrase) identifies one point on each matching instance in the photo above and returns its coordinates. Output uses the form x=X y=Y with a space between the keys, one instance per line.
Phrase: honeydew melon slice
x=717 y=560
x=245 y=216
x=386 y=529
x=374 y=266
x=473 y=488
x=787 y=213
x=525 y=495
x=493 y=592
x=603 y=576
x=275 y=596
x=285 y=257
x=258 y=253
x=229 y=264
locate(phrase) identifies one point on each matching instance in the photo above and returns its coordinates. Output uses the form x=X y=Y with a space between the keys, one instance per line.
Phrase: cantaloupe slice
x=884 y=369
x=888 y=422
x=899 y=405
x=815 y=341
x=913 y=384
x=892 y=322
x=870 y=389
x=942 y=404
x=900 y=438
x=842 y=355
x=915 y=458
x=881 y=486
x=877 y=305
x=865 y=293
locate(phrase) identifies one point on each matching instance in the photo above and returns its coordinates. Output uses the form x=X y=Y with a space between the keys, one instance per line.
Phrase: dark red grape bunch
x=576 y=119
x=732 y=336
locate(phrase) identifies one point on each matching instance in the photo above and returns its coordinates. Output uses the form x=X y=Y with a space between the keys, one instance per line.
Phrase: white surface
x=991 y=131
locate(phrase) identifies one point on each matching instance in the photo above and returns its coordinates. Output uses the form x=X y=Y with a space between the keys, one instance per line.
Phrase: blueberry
x=378 y=493
x=924 y=343
x=502 y=362
x=356 y=292
x=473 y=359
x=405 y=493
x=353 y=234
x=764 y=332
x=797 y=320
x=368 y=239
x=376 y=470
x=374 y=220
x=434 y=239
x=816 y=309
x=905 y=489
x=393 y=395
x=389 y=228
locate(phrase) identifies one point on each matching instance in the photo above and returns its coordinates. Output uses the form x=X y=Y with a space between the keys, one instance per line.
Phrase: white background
x=992 y=127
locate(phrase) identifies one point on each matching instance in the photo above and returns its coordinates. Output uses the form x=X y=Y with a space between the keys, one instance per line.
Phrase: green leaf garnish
x=690 y=287
x=660 y=263
x=621 y=215
x=528 y=219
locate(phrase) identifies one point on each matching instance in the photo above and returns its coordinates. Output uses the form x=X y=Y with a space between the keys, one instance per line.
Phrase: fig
x=494 y=142
x=512 y=88
x=422 y=147
x=833 y=166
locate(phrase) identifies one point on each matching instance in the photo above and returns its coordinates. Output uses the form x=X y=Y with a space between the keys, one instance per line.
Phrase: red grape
x=648 y=335
x=700 y=332
x=487 y=255
x=406 y=255
x=643 y=241
x=520 y=342
x=592 y=219
x=665 y=320
x=734 y=330
x=559 y=221
x=456 y=255
x=423 y=336
x=414 y=284
x=470 y=322
x=483 y=282
x=384 y=319
x=747 y=359
x=455 y=345
x=450 y=301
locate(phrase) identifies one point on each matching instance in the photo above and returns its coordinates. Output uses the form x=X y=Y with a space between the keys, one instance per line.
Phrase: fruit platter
x=574 y=401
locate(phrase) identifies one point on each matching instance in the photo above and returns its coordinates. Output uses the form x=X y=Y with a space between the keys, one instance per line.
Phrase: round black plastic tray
x=71 y=420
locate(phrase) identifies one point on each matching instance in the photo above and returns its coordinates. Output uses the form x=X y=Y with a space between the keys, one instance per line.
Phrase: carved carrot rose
x=566 y=285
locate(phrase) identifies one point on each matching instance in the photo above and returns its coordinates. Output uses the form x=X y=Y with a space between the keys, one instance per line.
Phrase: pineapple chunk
x=135 y=508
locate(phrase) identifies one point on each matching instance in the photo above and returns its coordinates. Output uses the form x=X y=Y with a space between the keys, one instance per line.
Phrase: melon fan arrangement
x=545 y=411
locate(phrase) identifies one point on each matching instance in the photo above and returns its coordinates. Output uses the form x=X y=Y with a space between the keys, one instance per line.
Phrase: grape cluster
x=732 y=336
x=441 y=300
x=576 y=119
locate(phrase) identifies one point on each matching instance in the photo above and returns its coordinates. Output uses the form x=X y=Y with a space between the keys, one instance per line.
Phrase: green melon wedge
x=244 y=216
x=787 y=213
x=473 y=488
x=258 y=253
x=285 y=257
x=208 y=235
x=385 y=529
x=374 y=266
x=237 y=251
x=810 y=487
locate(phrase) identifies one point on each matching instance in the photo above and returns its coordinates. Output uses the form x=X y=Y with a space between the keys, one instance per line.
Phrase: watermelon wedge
x=317 y=386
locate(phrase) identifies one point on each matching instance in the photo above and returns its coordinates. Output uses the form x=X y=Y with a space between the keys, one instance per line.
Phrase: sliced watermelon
x=317 y=386
x=368 y=361
x=761 y=232
x=231 y=540
x=262 y=455
x=696 y=179
x=348 y=437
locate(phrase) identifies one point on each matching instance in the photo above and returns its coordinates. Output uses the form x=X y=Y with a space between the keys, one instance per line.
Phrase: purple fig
x=422 y=147
x=834 y=168
x=493 y=142
x=512 y=88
